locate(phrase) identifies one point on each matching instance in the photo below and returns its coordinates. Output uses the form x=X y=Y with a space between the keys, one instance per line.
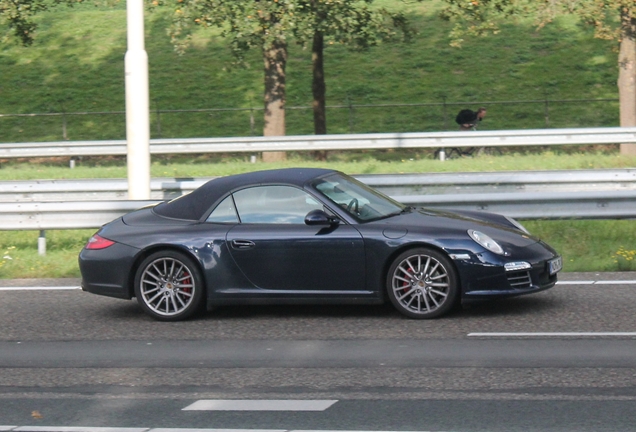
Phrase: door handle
x=243 y=244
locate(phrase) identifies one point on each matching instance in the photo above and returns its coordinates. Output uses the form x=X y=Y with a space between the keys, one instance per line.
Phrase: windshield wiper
x=407 y=209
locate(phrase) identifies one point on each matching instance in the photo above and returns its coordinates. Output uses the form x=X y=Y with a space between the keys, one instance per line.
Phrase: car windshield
x=358 y=199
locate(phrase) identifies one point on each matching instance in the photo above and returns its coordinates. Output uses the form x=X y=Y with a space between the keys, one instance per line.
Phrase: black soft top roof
x=194 y=205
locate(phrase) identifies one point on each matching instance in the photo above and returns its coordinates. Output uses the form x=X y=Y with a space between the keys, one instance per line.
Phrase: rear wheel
x=422 y=283
x=168 y=286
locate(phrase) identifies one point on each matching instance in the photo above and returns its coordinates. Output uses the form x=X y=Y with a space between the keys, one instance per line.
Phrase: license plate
x=555 y=265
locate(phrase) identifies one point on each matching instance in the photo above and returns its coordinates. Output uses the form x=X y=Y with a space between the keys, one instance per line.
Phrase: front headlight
x=517 y=224
x=486 y=242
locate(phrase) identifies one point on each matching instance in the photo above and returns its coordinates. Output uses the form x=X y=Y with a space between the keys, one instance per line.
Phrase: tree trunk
x=627 y=77
x=275 y=60
x=318 y=89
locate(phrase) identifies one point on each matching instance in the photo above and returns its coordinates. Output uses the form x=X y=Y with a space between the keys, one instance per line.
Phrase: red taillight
x=98 y=242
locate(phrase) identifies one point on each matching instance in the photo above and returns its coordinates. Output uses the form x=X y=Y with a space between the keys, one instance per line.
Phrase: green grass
x=77 y=65
x=585 y=245
x=589 y=245
x=361 y=162
x=20 y=257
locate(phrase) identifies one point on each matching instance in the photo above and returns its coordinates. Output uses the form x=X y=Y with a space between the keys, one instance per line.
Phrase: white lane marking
x=256 y=430
x=121 y=429
x=259 y=405
x=76 y=429
x=607 y=282
x=555 y=334
x=576 y=282
x=218 y=430
x=51 y=288
x=567 y=282
x=603 y=282
x=62 y=288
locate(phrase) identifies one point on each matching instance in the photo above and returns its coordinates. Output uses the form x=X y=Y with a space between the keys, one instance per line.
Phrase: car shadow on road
x=304 y=311
x=515 y=306
x=496 y=308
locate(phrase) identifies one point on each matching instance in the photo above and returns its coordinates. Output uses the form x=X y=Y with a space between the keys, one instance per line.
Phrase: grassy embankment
x=76 y=64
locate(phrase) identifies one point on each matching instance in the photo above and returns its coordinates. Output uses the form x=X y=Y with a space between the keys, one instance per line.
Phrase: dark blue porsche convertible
x=305 y=235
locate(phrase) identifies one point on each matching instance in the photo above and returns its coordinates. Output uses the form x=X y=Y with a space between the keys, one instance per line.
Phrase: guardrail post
x=64 y=126
x=42 y=243
x=445 y=113
x=158 y=119
x=350 y=104
x=251 y=120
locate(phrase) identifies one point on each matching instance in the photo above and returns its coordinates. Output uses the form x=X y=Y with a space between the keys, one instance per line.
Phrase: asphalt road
x=559 y=360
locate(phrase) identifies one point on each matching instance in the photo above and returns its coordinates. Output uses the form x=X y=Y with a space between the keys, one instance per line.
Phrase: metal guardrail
x=92 y=189
x=63 y=215
x=502 y=181
x=390 y=184
x=566 y=205
x=582 y=205
x=586 y=194
x=531 y=137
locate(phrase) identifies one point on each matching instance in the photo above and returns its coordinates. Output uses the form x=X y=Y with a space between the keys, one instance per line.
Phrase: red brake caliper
x=187 y=281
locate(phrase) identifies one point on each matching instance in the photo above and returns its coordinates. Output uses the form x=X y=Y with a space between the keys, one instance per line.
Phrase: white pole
x=137 y=104
x=42 y=243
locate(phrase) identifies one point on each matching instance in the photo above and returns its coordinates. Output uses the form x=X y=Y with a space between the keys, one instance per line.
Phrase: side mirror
x=319 y=217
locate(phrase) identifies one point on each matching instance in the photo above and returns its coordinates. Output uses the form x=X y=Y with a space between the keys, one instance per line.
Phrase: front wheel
x=168 y=286
x=422 y=283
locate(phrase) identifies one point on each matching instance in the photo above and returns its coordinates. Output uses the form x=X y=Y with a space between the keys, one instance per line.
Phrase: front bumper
x=485 y=276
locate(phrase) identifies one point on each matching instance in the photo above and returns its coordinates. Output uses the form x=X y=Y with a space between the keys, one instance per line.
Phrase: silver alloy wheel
x=421 y=284
x=167 y=286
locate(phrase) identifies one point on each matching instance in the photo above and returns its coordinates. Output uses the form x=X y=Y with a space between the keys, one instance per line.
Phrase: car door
x=277 y=251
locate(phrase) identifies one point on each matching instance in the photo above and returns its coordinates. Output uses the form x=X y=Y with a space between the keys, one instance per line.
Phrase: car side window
x=274 y=205
x=225 y=212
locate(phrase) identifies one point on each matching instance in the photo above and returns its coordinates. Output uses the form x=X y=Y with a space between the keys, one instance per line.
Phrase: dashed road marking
x=123 y=429
x=259 y=405
x=602 y=282
x=72 y=429
x=41 y=288
x=554 y=334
